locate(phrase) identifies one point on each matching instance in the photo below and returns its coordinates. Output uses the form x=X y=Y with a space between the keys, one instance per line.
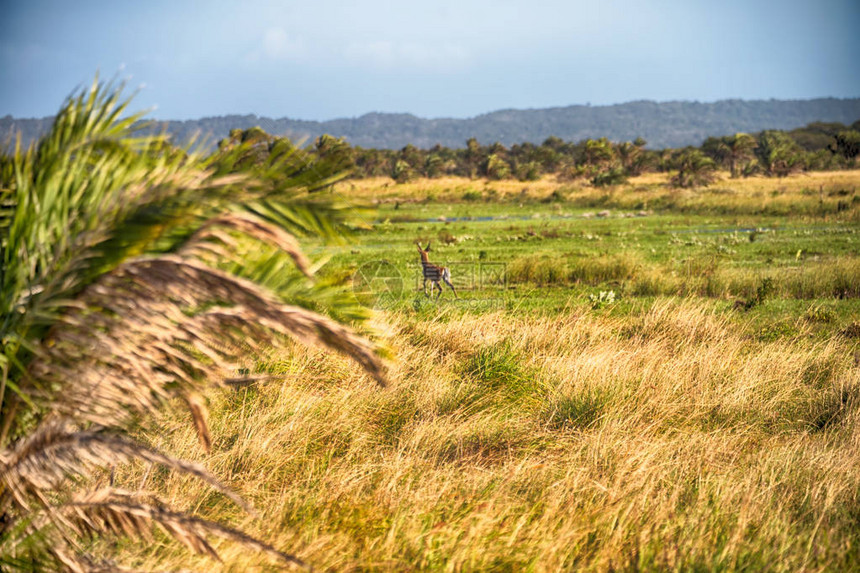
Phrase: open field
x=705 y=416
x=558 y=243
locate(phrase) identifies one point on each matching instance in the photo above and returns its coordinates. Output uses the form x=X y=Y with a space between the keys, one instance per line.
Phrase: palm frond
x=250 y=226
x=118 y=512
x=320 y=217
x=57 y=453
x=151 y=337
x=53 y=531
x=125 y=281
x=113 y=201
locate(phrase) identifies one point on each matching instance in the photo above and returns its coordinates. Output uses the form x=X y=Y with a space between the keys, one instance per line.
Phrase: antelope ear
x=417 y=244
x=428 y=246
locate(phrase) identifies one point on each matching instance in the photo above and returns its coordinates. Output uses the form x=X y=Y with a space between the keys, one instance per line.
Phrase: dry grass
x=813 y=193
x=817 y=193
x=444 y=188
x=667 y=440
x=820 y=278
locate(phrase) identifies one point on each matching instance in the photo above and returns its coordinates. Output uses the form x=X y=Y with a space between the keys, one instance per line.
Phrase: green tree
x=555 y=143
x=254 y=143
x=413 y=156
x=598 y=152
x=131 y=275
x=403 y=172
x=778 y=154
x=529 y=171
x=824 y=160
x=473 y=157
x=335 y=152
x=440 y=161
x=816 y=136
x=634 y=160
x=373 y=162
x=496 y=168
x=848 y=143
x=434 y=166
x=694 y=168
x=739 y=150
x=611 y=176
x=547 y=156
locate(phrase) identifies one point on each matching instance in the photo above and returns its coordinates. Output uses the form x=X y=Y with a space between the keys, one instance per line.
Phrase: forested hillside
x=662 y=125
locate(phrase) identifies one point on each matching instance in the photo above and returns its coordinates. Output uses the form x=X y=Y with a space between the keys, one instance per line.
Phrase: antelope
x=434 y=273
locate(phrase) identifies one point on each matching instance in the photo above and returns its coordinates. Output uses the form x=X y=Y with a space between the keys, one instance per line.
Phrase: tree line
x=815 y=147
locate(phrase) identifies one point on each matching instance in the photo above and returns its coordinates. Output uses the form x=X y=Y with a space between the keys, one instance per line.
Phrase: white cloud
x=387 y=54
x=276 y=44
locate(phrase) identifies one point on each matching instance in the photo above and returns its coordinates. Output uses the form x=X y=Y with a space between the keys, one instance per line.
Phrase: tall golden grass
x=666 y=440
x=825 y=277
x=813 y=192
x=819 y=196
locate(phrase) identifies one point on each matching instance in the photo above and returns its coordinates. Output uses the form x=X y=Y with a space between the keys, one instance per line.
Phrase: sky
x=326 y=59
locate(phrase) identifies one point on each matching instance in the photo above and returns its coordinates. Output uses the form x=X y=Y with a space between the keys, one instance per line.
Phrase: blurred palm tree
x=734 y=152
x=694 y=168
x=778 y=154
x=134 y=272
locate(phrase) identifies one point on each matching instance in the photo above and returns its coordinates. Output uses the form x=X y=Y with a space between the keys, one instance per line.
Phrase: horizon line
x=466 y=118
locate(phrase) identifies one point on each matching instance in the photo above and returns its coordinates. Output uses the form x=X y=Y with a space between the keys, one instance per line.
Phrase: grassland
x=707 y=418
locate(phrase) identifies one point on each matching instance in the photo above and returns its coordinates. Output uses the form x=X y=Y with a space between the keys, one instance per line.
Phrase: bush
x=530 y=171
x=497 y=168
x=694 y=168
x=613 y=176
x=779 y=154
x=403 y=172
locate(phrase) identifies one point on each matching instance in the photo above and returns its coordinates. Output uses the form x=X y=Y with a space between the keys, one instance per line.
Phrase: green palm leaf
x=130 y=273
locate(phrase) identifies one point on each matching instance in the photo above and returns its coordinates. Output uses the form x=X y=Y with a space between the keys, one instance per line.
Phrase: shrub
x=496 y=168
x=530 y=171
x=764 y=289
x=694 y=168
x=779 y=154
x=403 y=172
x=613 y=176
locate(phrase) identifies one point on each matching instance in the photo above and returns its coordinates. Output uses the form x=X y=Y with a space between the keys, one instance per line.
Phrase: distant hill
x=666 y=124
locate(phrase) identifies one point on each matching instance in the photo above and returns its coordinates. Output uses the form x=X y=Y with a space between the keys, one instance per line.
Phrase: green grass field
x=553 y=246
x=703 y=417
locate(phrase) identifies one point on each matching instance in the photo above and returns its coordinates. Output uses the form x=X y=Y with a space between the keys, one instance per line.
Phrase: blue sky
x=327 y=59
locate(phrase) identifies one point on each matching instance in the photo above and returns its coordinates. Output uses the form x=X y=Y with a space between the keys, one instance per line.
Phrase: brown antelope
x=434 y=273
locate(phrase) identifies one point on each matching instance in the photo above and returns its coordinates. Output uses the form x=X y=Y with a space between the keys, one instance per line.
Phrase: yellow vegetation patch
x=453 y=187
x=666 y=440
